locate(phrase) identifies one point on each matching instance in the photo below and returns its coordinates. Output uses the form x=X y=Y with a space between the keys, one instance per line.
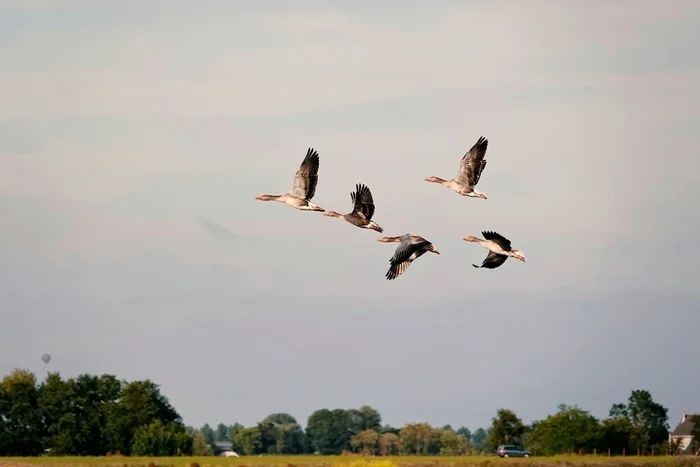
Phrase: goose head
x=470 y=238
x=517 y=254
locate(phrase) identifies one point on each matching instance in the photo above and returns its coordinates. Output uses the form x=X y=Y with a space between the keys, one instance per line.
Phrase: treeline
x=98 y=415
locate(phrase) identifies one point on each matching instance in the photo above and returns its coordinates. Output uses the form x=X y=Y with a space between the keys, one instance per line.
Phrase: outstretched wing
x=473 y=163
x=492 y=261
x=306 y=178
x=362 y=201
x=502 y=241
x=402 y=256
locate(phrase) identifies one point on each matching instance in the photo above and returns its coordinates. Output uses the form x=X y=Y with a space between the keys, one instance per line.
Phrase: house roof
x=685 y=427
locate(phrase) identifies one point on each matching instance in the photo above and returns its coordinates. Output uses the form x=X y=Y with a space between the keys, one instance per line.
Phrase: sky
x=135 y=136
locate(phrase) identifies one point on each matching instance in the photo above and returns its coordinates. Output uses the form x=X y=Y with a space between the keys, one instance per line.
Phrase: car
x=511 y=450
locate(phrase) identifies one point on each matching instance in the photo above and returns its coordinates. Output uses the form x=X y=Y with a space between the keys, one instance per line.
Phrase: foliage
x=506 y=428
x=340 y=461
x=94 y=415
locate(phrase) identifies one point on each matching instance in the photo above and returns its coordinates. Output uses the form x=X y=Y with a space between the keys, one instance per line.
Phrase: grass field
x=346 y=461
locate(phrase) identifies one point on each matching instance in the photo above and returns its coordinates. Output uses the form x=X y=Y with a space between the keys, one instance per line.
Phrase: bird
x=499 y=249
x=410 y=248
x=304 y=188
x=470 y=169
x=363 y=209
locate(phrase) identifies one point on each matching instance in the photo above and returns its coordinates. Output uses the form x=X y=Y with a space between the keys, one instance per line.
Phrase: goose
x=470 y=169
x=363 y=210
x=411 y=247
x=304 y=188
x=499 y=249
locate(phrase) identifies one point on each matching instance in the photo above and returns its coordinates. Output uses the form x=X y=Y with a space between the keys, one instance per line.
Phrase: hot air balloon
x=46 y=358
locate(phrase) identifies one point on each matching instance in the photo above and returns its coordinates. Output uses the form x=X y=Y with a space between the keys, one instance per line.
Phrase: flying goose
x=411 y=247
x=499 y=249
x=470 y=169
x=304 y=187
x=363 y=210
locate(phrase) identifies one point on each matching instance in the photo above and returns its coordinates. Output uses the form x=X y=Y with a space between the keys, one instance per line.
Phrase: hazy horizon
x=135 y=136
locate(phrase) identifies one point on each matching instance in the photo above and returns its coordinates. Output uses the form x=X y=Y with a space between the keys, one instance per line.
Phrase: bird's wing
x=502 y=241
x=395 y=270
x=362 y=201
x=306 y=178
x=404 y=251
x=492 y=261
x=472 y=164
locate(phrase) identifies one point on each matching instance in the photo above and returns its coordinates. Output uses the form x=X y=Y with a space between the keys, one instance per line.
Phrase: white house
x=683 y=434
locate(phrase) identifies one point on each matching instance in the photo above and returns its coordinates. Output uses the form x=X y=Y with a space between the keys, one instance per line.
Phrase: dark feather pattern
x=473 y=164
x=306 y=178
x=502 y=241
x=363 y=204
x=402 y=257
x=492 y=261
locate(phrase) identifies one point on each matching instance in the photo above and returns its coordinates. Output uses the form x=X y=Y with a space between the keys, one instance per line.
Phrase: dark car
x=511 y=450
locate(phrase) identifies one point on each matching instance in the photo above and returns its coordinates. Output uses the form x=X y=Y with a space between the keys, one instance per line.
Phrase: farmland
x=345 y=461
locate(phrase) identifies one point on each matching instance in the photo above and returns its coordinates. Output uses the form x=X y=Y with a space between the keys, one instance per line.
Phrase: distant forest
x=97 y=415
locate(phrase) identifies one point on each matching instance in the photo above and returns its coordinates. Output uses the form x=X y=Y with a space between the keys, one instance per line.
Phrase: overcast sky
x=134 y=137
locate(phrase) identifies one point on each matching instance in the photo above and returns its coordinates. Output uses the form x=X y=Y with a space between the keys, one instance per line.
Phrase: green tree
x=506 y=428
x=419 y=439
x=222 y=433
x=200 y=447
x=366 y=442
x=389 y=444
x=291 y=439
x=463 y=430
x=249 y=440
x=329 y=431
x=479 y=439
x=157 y=439
x=21 y=416
x=649 y=417
x=364 y=418
x=615 y=434
x=56 y=401
x=569 y=430
x=451 y=443
x=208 y=433
x=140 y=403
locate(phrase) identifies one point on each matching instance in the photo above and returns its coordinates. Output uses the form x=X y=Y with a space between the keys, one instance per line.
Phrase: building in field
x=224 y=448
x=683 y=435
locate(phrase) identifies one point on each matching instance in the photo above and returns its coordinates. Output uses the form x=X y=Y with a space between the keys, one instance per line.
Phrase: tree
x=156 y=439
x=200 y=447
x=479 y=439
x=571 y=429
x=21 y=416
x=389 y=444
x=222 y=433
x=451 y=443
x=366 y=442
x=291 y=439
x=506 y=428
x=329 y=431
x=139 y=404
x=650 y=418
x=463 y=430
x=419 y=439
x=208 y=432
x=695 y=432
x=249 y=440
x=615 y=434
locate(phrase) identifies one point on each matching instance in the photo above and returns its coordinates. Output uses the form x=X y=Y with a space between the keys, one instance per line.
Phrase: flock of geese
x=411 y=247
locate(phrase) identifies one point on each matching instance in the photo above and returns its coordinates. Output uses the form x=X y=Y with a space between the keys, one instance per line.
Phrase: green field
x=348 y=461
